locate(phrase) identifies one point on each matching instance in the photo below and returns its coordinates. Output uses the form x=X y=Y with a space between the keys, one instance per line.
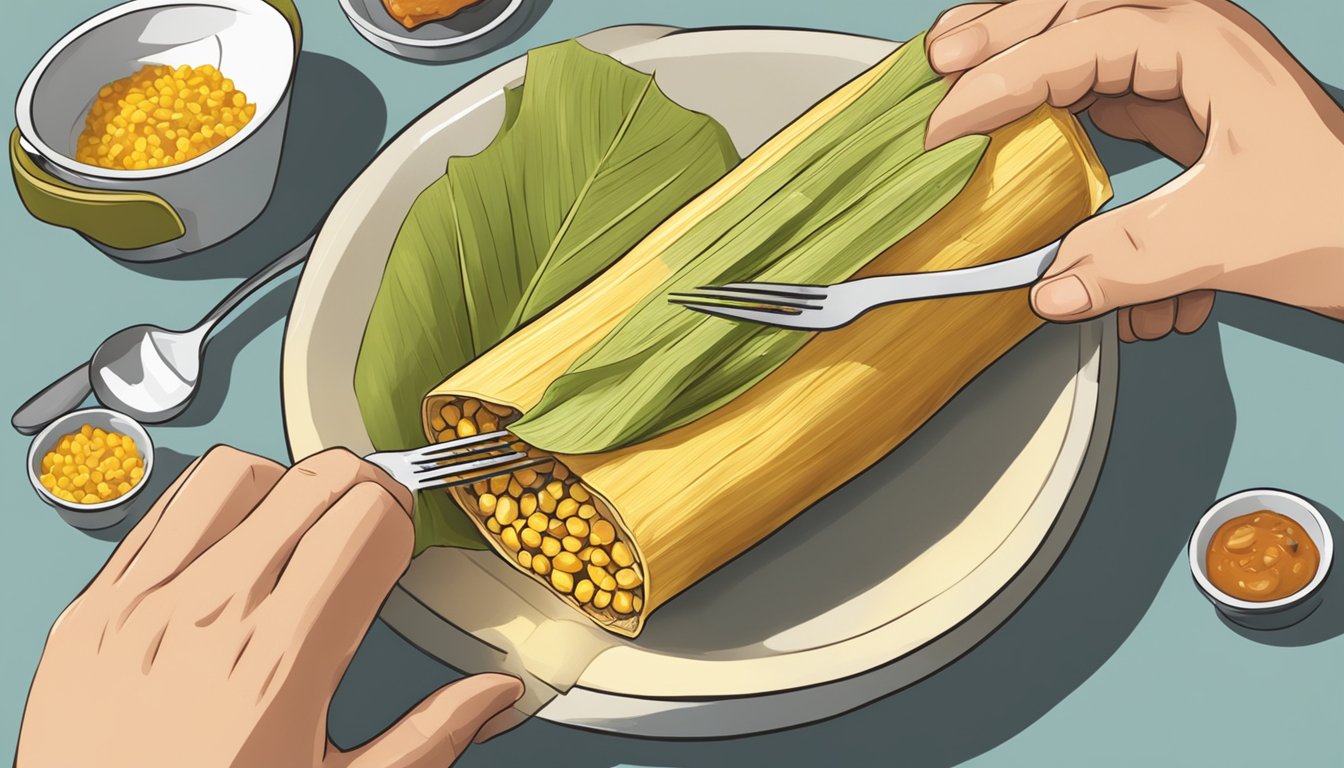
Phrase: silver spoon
x=146 y=372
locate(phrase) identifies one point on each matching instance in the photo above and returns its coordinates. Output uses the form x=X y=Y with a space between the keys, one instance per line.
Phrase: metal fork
x=824 y=307
x=458 y=462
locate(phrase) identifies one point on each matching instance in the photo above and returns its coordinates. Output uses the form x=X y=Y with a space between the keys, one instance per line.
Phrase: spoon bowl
x=148 y=372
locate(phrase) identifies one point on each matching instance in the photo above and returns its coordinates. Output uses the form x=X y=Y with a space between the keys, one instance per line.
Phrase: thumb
x=440 y=727
x=1135 y=254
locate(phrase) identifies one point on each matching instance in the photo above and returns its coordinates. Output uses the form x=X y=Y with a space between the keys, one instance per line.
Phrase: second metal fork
x=824 y=307
x=457 y=462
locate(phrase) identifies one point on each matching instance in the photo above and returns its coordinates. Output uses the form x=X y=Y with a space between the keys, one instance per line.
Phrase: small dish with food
x=89 y=464
x=155 y=128
x=436 y=30
x=1260 y=556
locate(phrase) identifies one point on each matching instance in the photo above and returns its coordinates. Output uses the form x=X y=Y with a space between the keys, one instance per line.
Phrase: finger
x=219 y=495
x=1192 y=309
x=974 y=40
x=263 y=543
x=1122 y=326
x=329 y=592
x=1139 y=253
x=956 y=16
x=440 y=727
x=135 y=539
x=1059 y=68
x=1153 y=320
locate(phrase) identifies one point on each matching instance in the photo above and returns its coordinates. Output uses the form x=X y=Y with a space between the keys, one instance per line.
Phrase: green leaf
x=591 y=157
x=846 y=193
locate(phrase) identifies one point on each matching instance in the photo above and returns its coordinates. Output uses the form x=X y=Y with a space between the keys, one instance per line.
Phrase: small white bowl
x=470 y=32
x=157 y=213
x=1271 y=614
x=90 y=516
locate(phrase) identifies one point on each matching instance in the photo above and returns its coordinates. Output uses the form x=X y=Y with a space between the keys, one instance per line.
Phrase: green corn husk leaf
x=591 y=157
x=845 y=194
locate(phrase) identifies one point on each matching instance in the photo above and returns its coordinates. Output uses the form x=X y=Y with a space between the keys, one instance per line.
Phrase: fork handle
x=999 y=276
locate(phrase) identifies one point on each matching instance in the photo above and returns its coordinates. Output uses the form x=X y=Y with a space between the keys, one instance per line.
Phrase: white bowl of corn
x=88 y=464
x=155 y=128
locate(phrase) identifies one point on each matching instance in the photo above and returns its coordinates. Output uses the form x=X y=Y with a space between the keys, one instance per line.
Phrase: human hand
x=1257 y=210
x=218 y=630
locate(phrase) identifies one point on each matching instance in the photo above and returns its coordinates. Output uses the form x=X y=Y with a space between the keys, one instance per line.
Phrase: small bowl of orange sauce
x=1261 y=556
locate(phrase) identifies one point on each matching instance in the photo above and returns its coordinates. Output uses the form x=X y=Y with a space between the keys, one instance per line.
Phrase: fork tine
x=797 y=290
x=430 y=472
x=771 y=299
x=436 y=458
x=430 y=480
x=797 y=321
x=440 y=449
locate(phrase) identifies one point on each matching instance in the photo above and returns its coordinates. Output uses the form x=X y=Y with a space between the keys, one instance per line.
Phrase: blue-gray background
x=1116 y=660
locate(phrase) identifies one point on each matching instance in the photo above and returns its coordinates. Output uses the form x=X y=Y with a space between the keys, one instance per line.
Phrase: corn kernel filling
x=549 y=522
x=92 y=466
x=162 y=116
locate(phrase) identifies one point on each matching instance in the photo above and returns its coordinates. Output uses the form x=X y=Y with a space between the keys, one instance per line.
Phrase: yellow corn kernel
x=546 y=502
x=123 y=488
x=578 y=493
x=620 y=554
x=438 y=424
x=528 y=503
x=537 y=522
x=556 y=489
x=595 y=573
x=492 y=525
x=506 y=510
x=526 y=476
x=486 y=504
x=587 y=511
x=599 y=557
x=583 y=591
x=601 y=599
x=89 y=498
x=509 y=538
x=605 y=533
x=637 y=603
x=525 y=559
x=556 y=528
x=515 y=489
x=626 y=578
x=530 y=538
x=562 y=581
x=571 y=544
x=567 y=508
x=550 y=546
x=451 y=414
x=567 y=562
x=499 y=485
x=577 y=527
x=466 y=428
x=541 y=565
x=48 y=481
x=623 y=602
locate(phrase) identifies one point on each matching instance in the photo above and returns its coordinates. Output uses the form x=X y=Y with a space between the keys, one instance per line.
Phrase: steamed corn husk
x=692 y=498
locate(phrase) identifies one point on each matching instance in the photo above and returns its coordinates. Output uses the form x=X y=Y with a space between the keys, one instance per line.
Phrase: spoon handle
x=251 y=284
x=61 y=397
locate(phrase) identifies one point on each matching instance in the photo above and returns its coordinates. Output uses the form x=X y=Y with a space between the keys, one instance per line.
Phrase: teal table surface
x=1115 y=661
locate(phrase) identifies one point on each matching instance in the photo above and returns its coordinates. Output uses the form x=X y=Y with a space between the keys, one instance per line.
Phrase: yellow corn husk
x=684 y=503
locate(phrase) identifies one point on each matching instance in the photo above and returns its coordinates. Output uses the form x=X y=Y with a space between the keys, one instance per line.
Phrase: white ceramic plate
x=882 y=583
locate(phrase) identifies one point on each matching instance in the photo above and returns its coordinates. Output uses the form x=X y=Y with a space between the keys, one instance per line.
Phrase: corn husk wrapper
x=691 y=499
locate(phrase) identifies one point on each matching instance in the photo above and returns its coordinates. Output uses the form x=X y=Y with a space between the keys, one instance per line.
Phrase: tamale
x=617 y=533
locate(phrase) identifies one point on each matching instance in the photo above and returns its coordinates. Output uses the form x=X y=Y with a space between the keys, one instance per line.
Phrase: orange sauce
x=413 y=13
x=1262 y=556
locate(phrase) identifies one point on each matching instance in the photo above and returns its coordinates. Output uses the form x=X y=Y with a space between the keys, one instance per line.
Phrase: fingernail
x=1063 y=296
x=956 y=50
